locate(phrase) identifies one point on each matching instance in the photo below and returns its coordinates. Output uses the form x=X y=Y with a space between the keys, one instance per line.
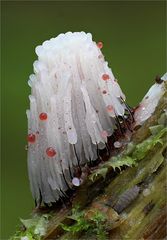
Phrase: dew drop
x=117 y=144
x=76 y=182
x=50 y=152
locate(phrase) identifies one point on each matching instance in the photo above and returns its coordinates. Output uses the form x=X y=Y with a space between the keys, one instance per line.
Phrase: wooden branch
x=129 y=189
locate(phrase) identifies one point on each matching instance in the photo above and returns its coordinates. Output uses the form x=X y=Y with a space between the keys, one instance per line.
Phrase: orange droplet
x=43 y=116
x=100 y=45
x=105 y=77
x=50 y=152
x=31 y=138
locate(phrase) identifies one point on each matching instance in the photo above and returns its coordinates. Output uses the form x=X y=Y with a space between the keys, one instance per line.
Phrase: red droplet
x=31 y=138
x=43 y=116
x=100 y=45
x=105 y=77
x=50 y=152
x=104 y=92
x=109 y=108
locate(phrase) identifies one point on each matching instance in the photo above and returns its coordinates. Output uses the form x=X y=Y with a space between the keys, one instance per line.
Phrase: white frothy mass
x=68 y=86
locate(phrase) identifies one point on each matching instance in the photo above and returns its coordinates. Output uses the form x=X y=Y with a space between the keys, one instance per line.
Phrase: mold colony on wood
x=75 y=106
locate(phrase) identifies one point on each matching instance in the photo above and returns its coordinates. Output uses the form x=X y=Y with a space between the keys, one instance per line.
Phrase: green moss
x=80 y=223
x=94 y=224
x=143 y=148
x=157 y=195
x=34 y=227
x=135 y=153
x=100 y=172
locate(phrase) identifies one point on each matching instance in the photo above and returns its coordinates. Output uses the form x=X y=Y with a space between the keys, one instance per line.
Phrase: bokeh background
x=133 y=33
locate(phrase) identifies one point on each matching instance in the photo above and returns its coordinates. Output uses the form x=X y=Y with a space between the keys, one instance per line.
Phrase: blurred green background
x=133 y=34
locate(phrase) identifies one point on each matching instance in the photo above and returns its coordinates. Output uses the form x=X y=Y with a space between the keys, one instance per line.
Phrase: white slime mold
x=73 y=103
